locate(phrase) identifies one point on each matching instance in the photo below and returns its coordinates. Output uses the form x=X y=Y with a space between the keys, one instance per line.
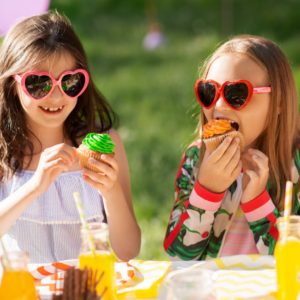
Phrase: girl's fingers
x=64 y=147
x=62 y=150
x=229 y=154
x=91 y=182
x=110 y=160
x=110 y=170
x=56 y=154
x=107 y=170
x=233 y=162
x=253 y=176
x=207 y=153
x=98 y=177
x=237 y=170
x=219 y=152
x=259 y=154
x=261 y=163
x=247 y=157
x=58 y=163
x=75 y=152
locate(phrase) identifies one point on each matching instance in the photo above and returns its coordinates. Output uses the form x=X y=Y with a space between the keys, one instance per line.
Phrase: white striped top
x=49 y=229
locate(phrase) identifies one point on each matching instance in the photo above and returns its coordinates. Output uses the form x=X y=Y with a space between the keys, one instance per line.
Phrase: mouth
x=51 y=110
x=234 y=124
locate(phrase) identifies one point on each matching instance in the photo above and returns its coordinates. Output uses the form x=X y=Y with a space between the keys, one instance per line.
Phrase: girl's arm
x=53 y=161
x=197 y=200
x=262 y=215
x=256 y=203
x=114 y=186
x=190 y=226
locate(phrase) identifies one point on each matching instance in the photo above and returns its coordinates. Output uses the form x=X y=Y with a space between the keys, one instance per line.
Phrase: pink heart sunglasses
x=39 y=85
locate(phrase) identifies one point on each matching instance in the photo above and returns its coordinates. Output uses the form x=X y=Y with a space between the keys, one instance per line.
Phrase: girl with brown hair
x=228 y=199
x=48 y=104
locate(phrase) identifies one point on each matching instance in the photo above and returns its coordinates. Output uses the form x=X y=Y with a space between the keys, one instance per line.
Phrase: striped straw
x=84 y=222
x=287 y=206
x=2 y=244
x=5 y=252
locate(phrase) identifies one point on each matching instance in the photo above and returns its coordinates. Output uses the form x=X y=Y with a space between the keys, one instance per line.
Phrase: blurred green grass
x=153 y=92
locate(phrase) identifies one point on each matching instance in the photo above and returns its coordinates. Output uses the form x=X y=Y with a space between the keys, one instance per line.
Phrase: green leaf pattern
x=207 y=243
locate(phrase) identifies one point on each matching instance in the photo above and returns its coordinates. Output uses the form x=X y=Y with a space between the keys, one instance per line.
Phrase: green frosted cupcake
x=94 y=145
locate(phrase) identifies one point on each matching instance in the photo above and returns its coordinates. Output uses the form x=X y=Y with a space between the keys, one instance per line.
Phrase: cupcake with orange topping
x=94 y=145
x=215 y=132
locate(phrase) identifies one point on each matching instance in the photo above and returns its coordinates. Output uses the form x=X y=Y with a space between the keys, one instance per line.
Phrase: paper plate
x=238 y=262
x=243 y=276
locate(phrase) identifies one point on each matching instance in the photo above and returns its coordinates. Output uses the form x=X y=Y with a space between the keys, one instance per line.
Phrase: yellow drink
x=288 y=266
x=17 y=285
x=104 y=261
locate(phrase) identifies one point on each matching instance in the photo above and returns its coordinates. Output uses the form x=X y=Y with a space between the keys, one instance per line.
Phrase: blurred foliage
x=273 y=18
x=153 y=92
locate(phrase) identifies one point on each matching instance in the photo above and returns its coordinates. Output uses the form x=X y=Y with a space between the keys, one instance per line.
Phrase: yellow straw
x=84 y=222
x=287 y=206
x=2 y=244
x=5 y=253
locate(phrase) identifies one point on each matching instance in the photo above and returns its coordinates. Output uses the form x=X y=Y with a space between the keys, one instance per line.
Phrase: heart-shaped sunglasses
x=39 y=85
x=236 y=94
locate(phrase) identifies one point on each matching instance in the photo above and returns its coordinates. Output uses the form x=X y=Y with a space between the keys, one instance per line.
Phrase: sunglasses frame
x=21 y=79
x=252 y=90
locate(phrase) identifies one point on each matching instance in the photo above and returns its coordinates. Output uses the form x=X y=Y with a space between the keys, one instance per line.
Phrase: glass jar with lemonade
x=17 y=283
x=102 y=261
x=287 y=255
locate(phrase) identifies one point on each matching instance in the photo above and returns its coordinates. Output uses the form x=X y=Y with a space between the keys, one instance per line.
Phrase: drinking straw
x=5 y=252
x=84 y=222
x=2 y=244
x=287 y=206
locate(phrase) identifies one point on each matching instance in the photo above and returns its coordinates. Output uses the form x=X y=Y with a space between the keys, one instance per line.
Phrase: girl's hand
x=221 y=167
x=52 y=162
x=256 y=174
x=105 y=181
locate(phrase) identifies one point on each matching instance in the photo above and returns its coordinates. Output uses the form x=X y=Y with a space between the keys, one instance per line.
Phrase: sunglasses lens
x=72 y=84
x=206 y=93
x=38 y=86
x=236 y=94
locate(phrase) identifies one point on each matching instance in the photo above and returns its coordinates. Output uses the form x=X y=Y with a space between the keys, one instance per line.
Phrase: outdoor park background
x=153 y=92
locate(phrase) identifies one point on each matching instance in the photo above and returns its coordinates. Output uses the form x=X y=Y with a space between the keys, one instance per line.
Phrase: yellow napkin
x=144 y=283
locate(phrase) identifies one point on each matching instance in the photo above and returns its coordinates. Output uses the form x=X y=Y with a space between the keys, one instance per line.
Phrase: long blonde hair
x=281 y=139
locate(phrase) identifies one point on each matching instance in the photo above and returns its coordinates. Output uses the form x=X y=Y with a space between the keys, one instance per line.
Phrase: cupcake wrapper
x=214 y=142
x=85 y=154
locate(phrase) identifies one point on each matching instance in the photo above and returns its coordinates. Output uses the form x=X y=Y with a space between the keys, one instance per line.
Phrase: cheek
x=254 y=121
x=208 y=113
x=27 y=103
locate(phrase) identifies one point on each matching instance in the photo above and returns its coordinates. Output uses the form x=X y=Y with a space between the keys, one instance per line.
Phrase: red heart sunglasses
x=236 y=94
x=39 y=85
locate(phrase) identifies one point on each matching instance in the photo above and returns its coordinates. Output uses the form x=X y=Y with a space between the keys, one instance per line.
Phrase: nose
x=221 y=105
x=56 y=93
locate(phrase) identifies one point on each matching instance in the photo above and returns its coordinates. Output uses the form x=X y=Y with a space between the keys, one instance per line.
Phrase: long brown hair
x=27 y=45
x=281 y=139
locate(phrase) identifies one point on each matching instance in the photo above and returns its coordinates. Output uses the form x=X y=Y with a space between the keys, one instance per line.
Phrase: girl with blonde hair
x=227 y=200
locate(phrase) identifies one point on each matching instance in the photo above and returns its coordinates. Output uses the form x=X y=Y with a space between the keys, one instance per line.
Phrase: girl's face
x=52 y=111
x=252 y=119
